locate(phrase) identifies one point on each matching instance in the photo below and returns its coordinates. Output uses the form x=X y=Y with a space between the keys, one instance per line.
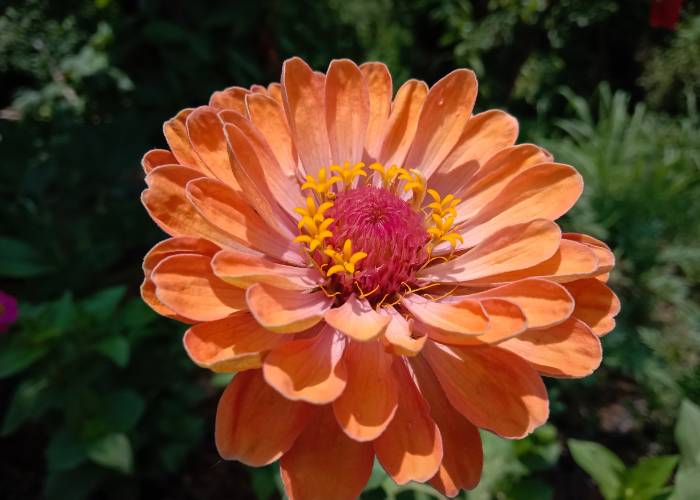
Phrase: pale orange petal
x=463 y=458
x=369 y=401
x=483 y=136
x=270 y=120
x=286 y=311
x=275 y=91
x=399 y=335
x=326 y=464
x=569 y=349
x=410 y=449
x=185 y=283
x=596 y=304
x=232 y=98
x=206 y=136
x=493 y=388
x=175 y=132
x=148 y=294
x=545 y=191
x=226 y=210
x=235 y=343
x=447 y=108
x=248 y=424
x=543 y=302
x=492 y=177
x=506 y=320
x=243 y=269
x=512 y=248
x=379 y=86
x=308 y=369
x=157 y=157
x=347 y=110
x=174 y=246
x=304 y=103
x=357 y=319
x=403 y=122
x=466 y=317
x=606 y=259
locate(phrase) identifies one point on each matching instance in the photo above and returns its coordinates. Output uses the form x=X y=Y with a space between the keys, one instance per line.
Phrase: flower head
x=8 y=311
x=383 y=271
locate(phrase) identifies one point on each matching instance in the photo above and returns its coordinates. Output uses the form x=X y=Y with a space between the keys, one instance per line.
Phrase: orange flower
x=385 y=274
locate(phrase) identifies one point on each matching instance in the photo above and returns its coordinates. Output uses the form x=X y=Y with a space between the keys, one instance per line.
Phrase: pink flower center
x=385 y=227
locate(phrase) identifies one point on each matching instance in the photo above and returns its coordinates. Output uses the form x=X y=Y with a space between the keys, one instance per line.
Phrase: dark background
x=97 y=397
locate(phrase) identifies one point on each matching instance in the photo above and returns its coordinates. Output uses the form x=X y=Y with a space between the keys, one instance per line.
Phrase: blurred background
x=97 y=397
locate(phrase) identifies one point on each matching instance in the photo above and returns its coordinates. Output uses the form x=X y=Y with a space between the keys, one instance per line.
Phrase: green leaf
x=64 y=451
x=601 y=464
x=687 y=434
x=103 y=304
x=377 y=478
x=124 y=410
x=222 y=379
x=75 y=484
x=648 y=477
x=20 y=260
x=15 y=358
x=113 y=451
x=26 y=403
x=263 y=482
x=687 y=484
x=115 y=348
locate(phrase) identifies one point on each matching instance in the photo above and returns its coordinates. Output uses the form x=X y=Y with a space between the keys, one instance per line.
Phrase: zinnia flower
x=8 y=311
x=383 y=273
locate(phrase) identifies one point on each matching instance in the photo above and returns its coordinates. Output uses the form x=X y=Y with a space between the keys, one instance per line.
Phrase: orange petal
x=493 y=388
x=347 y=110
x=510 y=249
x=186 y=284
x=543 y=302
x=275 y=91
x=463 y=458
x=206 y=135
x=506 y=320
x=174 y=246
x=304 y=103
x=569 y=349
x=570 y=262
x=309 y=369
x=226 y=210
x=492 y=177
x=483 y=136
x=545 y=191
x=175 y=132
x=369 y=401
x=167 y=204
x=263 y=184
x=286 y=311
x=326 y=464
x=447 y=108
x=232 y=98
x=596 y=304
x=403 y=122
x=243 y=269
x=410 y=449
x=357 y=319
x=399 y=335
x=380 y=89
x=148 y=294
x=606 y=259
x=254 y=424
x=234 y=343
x=465 y=317
x=270 y=120
x=157 y=157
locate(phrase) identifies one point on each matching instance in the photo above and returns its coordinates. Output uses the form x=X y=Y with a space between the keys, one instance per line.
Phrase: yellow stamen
x=321 y=185
x=387 y=175
x=344 y=261
x=416 y=183
x=347 y=174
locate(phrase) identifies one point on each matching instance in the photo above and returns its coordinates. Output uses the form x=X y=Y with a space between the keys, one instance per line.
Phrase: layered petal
x=325 y=463
x=400 y=335
x=606 y=259
x=370 y=399
x=511 y=249
x=206 y=135
x=232 y=98
x=464 y=317
x=347 y=110
x=235 y=343
x=569 y=349
x=447 y=107
x=357 y=319
x=248 y=424
x=157 y=157
x=493 y=388
x=286 y=311
x=242 y=269
x=308 y=369
x=379 y=87
x=175 y=131
x=596 y=304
